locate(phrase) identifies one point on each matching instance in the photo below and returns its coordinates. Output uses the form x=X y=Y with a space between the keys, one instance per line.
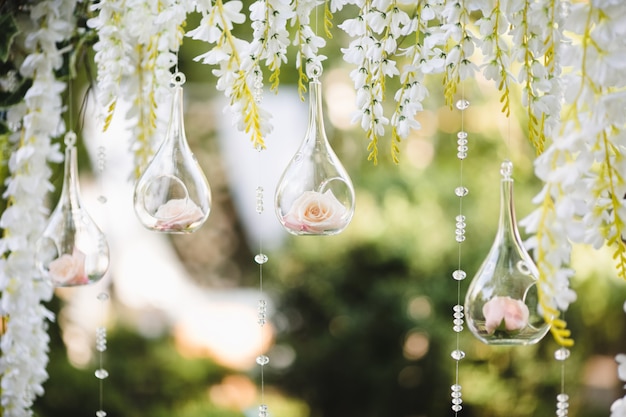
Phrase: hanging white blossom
x=24 y=345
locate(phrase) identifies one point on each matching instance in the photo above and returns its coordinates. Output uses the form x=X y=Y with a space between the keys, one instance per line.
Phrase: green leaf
x=7 y=34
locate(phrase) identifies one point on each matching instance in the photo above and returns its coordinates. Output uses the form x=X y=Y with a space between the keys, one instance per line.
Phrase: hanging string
x=101 y=345
x=562 y=399
x=260 y=258
x=459 y=274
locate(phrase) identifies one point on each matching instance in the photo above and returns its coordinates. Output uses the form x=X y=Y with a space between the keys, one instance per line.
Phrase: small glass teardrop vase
x=501 y=302
x=72 y=250
x=173 y=195
x=315 y=195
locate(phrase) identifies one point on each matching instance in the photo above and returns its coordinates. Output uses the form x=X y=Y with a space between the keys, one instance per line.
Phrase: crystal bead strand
x=459 y=274
x=101 y=346
x=562 y=399
x=101 y=332
x=261 y=258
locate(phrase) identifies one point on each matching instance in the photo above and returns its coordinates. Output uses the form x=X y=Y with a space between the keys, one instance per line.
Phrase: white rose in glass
x=68 y=269
x=314 y=212
x=177 y=214
x=507 y=311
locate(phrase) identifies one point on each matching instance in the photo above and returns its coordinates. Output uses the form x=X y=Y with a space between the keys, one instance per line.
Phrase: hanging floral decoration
x=31 y=126
x=567 y=60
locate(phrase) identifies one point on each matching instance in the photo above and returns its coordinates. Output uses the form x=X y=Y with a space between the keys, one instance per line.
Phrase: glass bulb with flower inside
x=173 y=195
x=72 y=249
x=315 y=195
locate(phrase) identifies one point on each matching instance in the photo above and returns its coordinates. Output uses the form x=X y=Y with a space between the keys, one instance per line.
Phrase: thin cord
x=459 y=274
x=262 y=360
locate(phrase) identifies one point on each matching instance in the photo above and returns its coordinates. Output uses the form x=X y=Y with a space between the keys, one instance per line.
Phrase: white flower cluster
x=583 y=196
x=238 y=74
x=308 y=61
x=536 y=28
x=24 y=345
x=136 y=49
x=270 y=37
x=376 y=32
x=459 y=48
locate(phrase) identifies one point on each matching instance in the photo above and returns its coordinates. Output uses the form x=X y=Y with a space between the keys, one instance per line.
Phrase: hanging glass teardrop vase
x=72 y=250
x=173 y=195
x=501 y=302
x=315 y=195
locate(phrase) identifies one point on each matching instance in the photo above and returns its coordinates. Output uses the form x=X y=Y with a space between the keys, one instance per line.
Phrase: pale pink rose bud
x=514 y=313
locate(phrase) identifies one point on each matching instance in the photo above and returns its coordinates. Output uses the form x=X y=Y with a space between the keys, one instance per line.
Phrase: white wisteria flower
x=24 y=345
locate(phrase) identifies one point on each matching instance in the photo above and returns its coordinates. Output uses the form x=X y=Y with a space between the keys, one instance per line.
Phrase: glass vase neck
x=507 y=225
x=70 y=190
x=316 y=114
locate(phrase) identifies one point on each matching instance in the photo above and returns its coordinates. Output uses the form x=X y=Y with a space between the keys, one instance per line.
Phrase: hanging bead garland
x=459 y=274
x=261 y=258
x=101 y=346
x=562 y=399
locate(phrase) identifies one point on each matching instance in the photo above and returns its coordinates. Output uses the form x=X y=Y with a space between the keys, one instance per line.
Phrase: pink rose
x=514 y=313
x=68 y=269
x=315 y=212
x=177 y=214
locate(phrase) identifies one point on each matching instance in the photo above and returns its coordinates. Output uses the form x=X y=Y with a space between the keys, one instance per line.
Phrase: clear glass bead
x=461 y=155
x=101 y=373
x=456 y=394
x=462 y=148
x=460 y=238
x=261 y=258
x=457 y=401
x=458 y=315
x=562 y=397
x=456 y=407
x=102 y=199
x=101 y=413
x=457 y=329
x=262 y=360
x=456 y=387
x=561 y=354
x=459 y=275
x=462 y=104
x=457 y=354
x=462 y=135
x=561 y=412
x=457 y=308
x=103 y=296
x=457 y=322
x=461 y=191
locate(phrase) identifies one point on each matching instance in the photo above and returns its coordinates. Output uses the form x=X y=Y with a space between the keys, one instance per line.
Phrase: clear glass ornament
x=173 y=195
x=501 y=301
x=72 y=250
x=315 y=195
